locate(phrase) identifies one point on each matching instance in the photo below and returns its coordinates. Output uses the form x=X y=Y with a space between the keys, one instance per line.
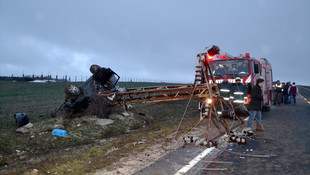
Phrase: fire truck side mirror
x=256 y=68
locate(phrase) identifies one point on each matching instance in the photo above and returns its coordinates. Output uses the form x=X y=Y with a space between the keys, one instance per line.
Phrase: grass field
x=37 y=100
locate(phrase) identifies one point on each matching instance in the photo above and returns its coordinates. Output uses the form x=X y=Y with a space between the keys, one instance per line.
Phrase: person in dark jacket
x=256 y=105
x=239 y=93
x=224 y=88
x=278 y=89
x=285 y=93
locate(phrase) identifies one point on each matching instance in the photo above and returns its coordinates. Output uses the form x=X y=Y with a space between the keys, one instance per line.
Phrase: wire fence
x=67 y=78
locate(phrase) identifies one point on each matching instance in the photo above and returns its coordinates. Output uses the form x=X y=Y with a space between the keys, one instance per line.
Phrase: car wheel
x=93 y=68
x=72 y=90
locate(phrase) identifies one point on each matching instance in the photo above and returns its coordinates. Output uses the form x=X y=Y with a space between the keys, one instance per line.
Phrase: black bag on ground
x=21 y=119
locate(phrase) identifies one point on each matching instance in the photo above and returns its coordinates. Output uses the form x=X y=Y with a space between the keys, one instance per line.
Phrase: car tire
x=72 y=90
x=93 y=68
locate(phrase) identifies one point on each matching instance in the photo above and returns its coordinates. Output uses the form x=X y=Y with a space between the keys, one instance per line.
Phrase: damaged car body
x=78 y=98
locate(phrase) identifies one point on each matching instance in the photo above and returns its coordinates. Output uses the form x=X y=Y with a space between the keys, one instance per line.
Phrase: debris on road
x=112 y=149
x=59 y=132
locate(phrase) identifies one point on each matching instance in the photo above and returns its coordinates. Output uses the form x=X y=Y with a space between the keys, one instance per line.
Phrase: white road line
x=305 y=98
x=193 y=162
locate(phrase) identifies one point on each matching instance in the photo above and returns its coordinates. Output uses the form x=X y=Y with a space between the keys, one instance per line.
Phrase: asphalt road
x=286 y=137
x=284 y=148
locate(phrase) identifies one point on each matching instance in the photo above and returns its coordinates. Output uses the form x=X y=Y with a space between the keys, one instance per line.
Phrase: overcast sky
x=151 y=39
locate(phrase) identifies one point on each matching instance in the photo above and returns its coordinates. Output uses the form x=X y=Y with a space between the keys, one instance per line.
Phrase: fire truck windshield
x=231 y=68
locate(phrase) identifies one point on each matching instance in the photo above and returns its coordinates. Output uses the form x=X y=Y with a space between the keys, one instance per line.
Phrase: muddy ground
x=90 y=147
x=119 y=144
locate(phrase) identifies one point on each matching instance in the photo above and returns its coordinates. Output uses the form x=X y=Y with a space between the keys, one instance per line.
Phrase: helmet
x=238 y=79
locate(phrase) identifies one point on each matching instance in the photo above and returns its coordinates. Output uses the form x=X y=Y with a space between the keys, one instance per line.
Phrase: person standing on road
x=278 y=93
x=285 y=93
x=256 y=106
x=239 y=93
x=224 y=88
x=293 y=90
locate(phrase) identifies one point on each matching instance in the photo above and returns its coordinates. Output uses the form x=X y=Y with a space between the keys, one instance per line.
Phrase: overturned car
x=77 y=99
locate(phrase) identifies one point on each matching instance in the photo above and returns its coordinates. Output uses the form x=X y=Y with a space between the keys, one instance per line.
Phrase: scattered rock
x=115 y=116
x=126 y=114
x=46 y=128
x=141 y=142
x=35 y=171
x=112 y=149
x=58 y=126
x=103 y=141
x=29 y=125
x=23 y=130
x=104 y=122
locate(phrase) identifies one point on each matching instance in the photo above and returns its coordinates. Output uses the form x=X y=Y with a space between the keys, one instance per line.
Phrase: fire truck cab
x=248 y=69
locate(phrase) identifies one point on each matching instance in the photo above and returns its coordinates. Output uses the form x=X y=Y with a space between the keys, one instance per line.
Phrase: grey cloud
x=151 y=39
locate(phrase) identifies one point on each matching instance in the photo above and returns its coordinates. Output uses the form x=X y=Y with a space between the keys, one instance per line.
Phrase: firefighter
x=224 y=88
x=278 y=88
x=238 y=93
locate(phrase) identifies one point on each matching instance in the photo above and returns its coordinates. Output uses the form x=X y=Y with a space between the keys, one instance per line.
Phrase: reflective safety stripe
x=245 y=97
x=226 y=98
x=219 y=112
x=224 y=90
x=279 y=86
x=231 y=97
x=238 y=101
x=238 y=93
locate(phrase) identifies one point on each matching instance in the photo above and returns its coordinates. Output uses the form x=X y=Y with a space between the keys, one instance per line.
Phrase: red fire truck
x=248 y=69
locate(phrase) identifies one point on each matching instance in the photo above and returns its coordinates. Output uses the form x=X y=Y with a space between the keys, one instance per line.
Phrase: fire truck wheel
x=72 y=90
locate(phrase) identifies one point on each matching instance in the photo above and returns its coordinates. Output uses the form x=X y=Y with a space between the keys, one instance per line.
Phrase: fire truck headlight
x=209 y=101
